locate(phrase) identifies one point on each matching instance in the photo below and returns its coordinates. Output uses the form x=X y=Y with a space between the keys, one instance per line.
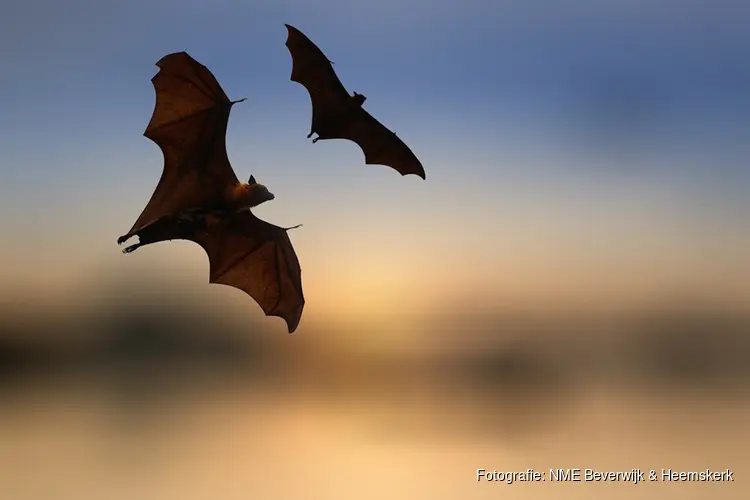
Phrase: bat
x=338 y=115
x=199 y=198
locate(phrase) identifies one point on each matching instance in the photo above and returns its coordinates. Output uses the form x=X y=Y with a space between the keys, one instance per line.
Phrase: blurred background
x=569 y=288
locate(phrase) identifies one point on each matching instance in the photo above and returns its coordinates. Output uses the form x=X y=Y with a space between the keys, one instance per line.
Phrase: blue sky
x=568 y=148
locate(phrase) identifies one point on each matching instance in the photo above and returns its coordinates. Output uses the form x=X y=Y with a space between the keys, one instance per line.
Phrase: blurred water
x=209 y=442
x=135 y=401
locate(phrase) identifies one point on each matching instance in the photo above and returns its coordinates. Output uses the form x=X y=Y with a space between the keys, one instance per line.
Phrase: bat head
x=254 y=193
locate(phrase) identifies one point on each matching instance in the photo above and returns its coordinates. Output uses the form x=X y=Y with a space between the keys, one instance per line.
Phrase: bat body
x=338 y=115
x=199 y=198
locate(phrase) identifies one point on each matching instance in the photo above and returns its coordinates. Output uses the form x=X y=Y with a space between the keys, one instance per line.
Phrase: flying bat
x=199 y=198
x=338 y=115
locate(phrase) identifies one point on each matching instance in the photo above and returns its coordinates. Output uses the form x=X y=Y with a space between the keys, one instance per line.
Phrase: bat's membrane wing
x=258 y=258
x=189 y=124
x=244 y=252
x=312 y=69
x=380 y=145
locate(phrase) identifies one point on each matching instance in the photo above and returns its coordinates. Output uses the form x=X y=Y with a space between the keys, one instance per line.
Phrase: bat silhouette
x=199 y=198
x=338 y=115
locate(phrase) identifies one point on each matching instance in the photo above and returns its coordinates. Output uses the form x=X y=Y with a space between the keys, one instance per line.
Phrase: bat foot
x=314 y=140
x=123 y=239
x=131 y=248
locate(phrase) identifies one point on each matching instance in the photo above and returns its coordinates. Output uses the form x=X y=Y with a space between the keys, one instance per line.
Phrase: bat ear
x=252 y=180
x=359 y=99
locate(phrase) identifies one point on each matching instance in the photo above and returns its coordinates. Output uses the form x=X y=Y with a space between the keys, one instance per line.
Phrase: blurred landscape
x=141 y=388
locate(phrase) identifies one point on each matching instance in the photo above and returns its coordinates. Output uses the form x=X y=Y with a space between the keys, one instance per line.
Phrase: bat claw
x=131 y=248
x=315 y=140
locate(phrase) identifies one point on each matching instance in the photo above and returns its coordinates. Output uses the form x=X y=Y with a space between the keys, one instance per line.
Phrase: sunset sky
x=596 y=155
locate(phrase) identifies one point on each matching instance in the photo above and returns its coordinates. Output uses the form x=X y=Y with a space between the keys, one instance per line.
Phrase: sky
x=590 y=155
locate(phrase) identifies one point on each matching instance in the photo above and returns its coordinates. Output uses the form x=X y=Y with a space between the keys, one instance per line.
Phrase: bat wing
x=380 y=145
x=312 y=69
x=189 y=125
x=256 y=257
x=244 y=252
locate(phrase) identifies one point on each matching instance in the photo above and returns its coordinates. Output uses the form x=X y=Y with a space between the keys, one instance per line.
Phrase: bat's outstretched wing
x=379 y=144
x=244 y=252
x=257 y=257
x=312 y=69
x=338 y=115
x=189 y=124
